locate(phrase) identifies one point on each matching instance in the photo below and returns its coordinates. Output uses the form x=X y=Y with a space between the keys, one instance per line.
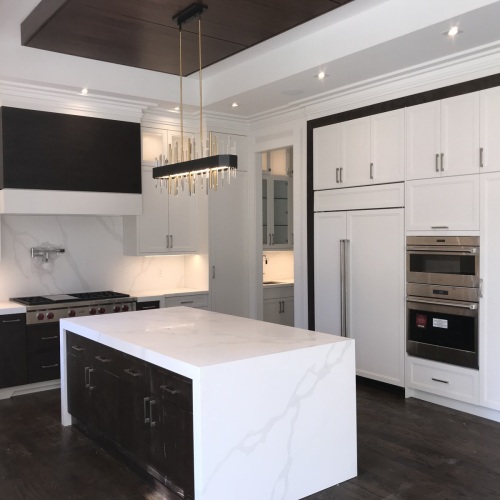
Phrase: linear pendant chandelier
x=194 y=168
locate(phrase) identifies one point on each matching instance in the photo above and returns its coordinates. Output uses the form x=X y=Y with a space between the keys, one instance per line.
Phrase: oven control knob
x=117 y=309
x=50 y=315
x=71 y=313
x=40 y=316
x=101 y=310
x=92 y=311
x=125 y=307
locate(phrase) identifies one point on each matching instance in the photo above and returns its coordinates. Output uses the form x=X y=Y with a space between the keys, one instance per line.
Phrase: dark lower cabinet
x=42 y=352
x=144 y=409
x=13 y=369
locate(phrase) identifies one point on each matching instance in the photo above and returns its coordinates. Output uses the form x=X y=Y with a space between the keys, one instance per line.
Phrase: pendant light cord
x=201 y=93
x=180 y=103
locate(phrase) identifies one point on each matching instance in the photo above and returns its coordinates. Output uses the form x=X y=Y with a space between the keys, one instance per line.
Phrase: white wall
x=277 y=265
x=93 y=260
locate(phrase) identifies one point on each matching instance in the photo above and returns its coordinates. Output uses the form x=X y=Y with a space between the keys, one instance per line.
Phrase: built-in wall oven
x=443 y=290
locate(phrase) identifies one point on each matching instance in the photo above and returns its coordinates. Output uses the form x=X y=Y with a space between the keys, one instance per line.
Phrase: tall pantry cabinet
x=359 y=239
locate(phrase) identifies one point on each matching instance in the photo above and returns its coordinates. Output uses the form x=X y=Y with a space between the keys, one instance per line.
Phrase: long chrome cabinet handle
x=145 y=408
x=440 y=227
x=152 y=422
x=342 y=288
x=11 y=320
x=371 y=171
x=442 y=162
x=341 y=169
x=437 y=162
x=481 y=164
x=471 y=307
x=426 y=249
x=171 y=241
x=50 y=338
x=337 y=175
x=167 y=240
x=50 y=366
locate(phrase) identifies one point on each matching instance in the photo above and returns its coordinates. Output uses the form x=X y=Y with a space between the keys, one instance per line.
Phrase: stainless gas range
x=52 y=308
x=42 y=325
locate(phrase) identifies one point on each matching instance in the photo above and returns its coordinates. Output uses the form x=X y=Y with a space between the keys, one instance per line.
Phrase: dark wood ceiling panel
x=107 y=36
x=141 y=33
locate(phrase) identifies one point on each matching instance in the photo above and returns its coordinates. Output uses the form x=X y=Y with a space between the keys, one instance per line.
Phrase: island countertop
x=190 y=339
x=273 y=407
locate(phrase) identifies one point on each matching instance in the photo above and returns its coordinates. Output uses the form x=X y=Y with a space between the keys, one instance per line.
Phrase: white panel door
x=423 y=144
x=329 y=229
x=447 y=203
x=355 y=147
x=489 y=327
x=387 y=147
x=228 y=248
x=460 y=134
x=326 y=157
x=183 y=222
x=376 y=293
x=489 y=129
x=153 y=223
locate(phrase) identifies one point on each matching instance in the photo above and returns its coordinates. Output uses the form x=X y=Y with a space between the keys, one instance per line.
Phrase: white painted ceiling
x=360 y=42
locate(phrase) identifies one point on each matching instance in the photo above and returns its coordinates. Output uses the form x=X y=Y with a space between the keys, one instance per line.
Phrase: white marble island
x=273 y=406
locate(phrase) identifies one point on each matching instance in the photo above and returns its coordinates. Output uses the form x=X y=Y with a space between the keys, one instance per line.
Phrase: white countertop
x=195 y=337
x=161 y=292
x=9 y=307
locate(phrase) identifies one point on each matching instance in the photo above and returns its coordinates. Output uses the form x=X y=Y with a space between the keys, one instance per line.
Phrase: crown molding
x=71 y=101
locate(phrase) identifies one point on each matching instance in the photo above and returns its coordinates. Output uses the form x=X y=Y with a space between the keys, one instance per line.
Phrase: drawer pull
x=102 y=359
x=77 y=348
x=143 y=308
x=50 y=366
x=187 y=301
x=50 y=338
x=169 y=390
x=440 y=227
x=11 y=320
x=132 y=372
x=439 y=380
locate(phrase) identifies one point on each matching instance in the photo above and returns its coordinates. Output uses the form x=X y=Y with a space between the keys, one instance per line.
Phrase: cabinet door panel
x=287 y=311
x=271 y=311
x=376 y=293
x=153 y=223
x=448 y=203
x=387 y=146
x=423 y=140
x=355 y=147
x=77 y=391
x=229 y=248
x=326 y=156
x=489 y=340
x=460 y=134
x=13 y=350
x=329 y=229
x=182 y=226
x=489 y=127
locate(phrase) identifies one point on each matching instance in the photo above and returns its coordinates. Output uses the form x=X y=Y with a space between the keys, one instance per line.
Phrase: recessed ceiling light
x=85 y=91
x=321 y=75
x=453 y=31
x=234 y=105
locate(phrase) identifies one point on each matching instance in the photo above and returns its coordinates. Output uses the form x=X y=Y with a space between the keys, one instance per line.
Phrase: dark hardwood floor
x=408 y=449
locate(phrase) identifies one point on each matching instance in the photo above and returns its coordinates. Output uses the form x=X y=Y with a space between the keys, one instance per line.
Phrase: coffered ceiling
x=142 y=33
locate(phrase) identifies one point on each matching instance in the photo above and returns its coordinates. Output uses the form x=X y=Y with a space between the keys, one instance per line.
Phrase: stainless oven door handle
x=426 y=249
x=472 y=307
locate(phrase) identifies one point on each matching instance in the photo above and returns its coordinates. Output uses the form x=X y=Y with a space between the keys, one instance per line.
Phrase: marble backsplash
x=93 y=258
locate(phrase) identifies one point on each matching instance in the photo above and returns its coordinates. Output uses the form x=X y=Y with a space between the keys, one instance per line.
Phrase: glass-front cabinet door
x=277 y=212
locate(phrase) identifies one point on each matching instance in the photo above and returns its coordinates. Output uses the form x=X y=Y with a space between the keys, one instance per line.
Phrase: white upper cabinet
x=387 y=147
x=442 y=137
x=355 y=151
x=168 y=224
x=360 y=152
x=489 y=130
x=326 y=154
x=445 y=204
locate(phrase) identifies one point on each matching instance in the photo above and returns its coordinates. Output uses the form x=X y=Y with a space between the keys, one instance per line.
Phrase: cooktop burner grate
x=71 y=297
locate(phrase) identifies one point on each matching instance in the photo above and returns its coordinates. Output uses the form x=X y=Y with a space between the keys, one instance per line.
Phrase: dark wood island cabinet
x=145 y=410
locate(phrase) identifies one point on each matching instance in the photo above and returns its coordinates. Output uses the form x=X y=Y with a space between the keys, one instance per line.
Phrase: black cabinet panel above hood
x=52 y=151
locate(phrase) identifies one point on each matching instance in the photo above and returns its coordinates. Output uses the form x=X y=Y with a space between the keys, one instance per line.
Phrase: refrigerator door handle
x=342 y=288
